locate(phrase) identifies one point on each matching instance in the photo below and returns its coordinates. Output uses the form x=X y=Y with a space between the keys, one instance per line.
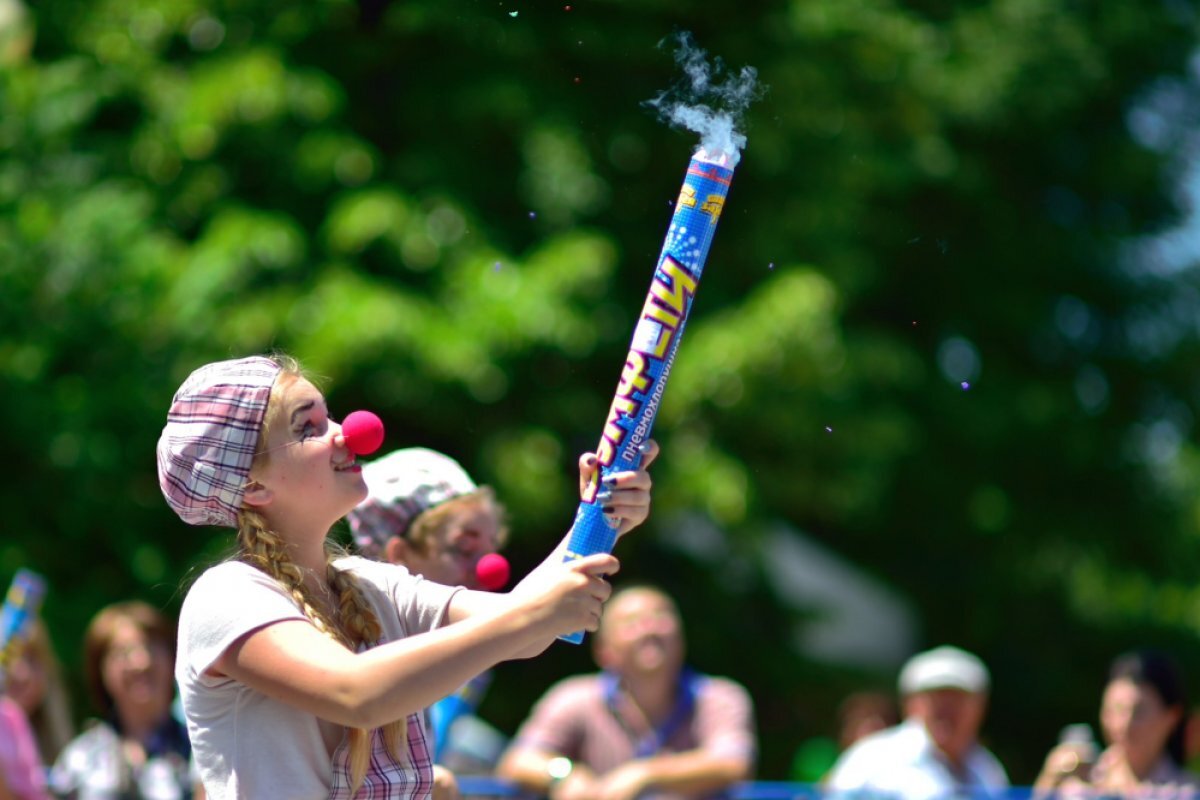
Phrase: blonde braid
x=262 y=548
x=360 y=620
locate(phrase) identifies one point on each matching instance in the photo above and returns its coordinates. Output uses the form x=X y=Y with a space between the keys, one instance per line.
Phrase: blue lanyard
x=686 y=691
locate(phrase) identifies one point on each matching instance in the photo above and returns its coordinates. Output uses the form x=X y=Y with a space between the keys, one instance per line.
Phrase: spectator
x=425 y=513
x=136 y=750
x=647 y=726
x=34 y=680
x=935 y=751
x=858 y=715
x=1143 y=720
x=862 y=713
x=22 y=773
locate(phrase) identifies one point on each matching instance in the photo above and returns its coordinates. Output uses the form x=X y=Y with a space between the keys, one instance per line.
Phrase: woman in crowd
x=1143 y=720
x=34 y=680
x=136 y=750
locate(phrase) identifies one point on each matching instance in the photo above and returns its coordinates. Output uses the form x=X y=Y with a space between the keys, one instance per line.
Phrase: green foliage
x=451 y=212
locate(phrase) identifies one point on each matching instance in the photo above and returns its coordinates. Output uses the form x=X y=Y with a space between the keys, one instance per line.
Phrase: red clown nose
x=363 y=432
x=492 y=572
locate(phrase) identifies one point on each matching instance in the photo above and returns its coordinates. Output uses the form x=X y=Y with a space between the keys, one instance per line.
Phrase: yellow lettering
x=713 y=206
x=654 y=311
x=605 y=452
x=633 y=377
x=664 y=341
x=687 y=197
x=681 y=284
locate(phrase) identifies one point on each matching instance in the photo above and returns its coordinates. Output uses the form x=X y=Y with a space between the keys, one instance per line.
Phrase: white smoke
x=709 y=100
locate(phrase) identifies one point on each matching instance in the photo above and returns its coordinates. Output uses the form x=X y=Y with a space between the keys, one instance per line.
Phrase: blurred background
x=940 y=382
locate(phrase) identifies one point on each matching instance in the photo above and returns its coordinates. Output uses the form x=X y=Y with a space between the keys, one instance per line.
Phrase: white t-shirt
x=902 y=762
x=247 y=745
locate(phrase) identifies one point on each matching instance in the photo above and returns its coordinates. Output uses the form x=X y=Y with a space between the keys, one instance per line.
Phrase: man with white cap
x=935 y=752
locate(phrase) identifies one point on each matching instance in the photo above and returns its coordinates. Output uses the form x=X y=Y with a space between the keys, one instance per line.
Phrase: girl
x=303 y=673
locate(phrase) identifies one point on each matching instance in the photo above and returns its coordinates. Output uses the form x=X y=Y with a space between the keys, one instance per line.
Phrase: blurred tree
x=922 y=337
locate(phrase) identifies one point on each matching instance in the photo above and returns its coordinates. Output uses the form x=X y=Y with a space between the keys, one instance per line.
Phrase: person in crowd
x=935 y=752
x=862 y=713
x=424 y=512
x=305 y=673
x=34 y=680
x=646 y=726
x=136 y=749
x=1143 y=719
x=859 y=714
x=22 y=772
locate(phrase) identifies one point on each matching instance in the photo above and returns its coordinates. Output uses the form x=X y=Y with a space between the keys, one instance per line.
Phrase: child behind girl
x=303 y=672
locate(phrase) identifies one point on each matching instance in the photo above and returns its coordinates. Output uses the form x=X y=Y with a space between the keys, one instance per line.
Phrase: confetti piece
x=828 y=429
x=965 y=385
x=771 y=265
x=513 y=13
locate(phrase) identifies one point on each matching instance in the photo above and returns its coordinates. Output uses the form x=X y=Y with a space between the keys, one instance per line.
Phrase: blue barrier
x=486 y=786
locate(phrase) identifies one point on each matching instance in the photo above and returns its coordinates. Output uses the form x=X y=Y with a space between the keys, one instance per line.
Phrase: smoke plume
x=709 y=99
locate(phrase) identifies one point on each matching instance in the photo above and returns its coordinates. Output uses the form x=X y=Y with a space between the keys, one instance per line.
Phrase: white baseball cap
x=944 y=667
x=401 y=486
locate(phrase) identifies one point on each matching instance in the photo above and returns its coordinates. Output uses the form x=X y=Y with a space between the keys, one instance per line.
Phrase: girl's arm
x=291 y=661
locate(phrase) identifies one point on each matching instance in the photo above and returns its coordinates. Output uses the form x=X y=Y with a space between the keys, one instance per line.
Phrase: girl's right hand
x=567 y=597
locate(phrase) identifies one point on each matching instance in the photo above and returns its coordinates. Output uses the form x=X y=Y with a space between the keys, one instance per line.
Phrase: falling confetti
x=533 y=215
x=496 y=267
x=828 y=429
x=513 y=13
x=965 y=385
x=577 y=79
x=771 y=265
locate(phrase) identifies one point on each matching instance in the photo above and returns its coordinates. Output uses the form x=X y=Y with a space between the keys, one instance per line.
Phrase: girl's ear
x=256 y=495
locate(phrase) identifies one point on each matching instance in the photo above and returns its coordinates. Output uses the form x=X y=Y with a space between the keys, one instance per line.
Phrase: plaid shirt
x=386 y=778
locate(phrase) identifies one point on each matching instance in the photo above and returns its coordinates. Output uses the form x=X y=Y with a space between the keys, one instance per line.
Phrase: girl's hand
x=567 y=597
x=628 y=492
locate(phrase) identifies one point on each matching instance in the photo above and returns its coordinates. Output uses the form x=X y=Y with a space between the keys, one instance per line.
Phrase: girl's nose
x=337 y=435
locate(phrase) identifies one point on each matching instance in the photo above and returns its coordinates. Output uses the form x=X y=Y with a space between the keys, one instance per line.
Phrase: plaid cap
x=400 y=487
x=211 y=436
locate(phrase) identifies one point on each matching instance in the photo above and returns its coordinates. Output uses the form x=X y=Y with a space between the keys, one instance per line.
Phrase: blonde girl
x=303 y=672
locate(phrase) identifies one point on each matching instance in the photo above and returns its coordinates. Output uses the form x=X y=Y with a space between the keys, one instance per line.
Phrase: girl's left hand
x=629 y=492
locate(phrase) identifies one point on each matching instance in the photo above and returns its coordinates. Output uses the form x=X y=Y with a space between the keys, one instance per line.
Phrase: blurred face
x=308 y=469
x=136 y=672
x=1135 y=719
x=26 y=682
x=470 y=532
x=640 y=634
x=952 y=717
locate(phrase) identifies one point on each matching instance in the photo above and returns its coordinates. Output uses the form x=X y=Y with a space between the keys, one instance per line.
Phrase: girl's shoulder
x=381 y=574
x=230 y=581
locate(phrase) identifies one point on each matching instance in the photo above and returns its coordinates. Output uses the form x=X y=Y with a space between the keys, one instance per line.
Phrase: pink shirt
x=20 y=763
x=588 y=719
